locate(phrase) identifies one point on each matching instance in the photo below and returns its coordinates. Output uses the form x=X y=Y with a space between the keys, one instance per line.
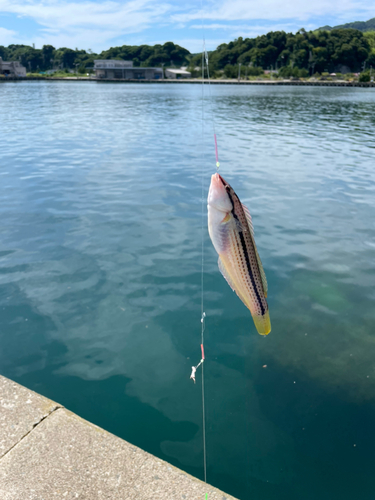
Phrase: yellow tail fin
x=263 y=323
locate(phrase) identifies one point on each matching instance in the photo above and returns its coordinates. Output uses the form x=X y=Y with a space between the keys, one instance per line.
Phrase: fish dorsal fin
x=225 y=274
x=261 y=270
x=248 y=218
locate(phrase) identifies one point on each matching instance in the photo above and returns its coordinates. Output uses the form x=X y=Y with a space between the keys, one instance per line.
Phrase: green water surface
x=100 y=262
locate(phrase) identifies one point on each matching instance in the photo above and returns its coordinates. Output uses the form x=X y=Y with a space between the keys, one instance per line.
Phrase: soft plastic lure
x=232 y=234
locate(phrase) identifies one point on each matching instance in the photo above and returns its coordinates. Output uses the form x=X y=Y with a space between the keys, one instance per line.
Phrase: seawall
x=301 y=83
x=48 y=452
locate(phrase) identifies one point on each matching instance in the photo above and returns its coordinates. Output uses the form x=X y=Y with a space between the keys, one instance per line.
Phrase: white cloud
x=7 y=36
x=231 y=32
x=108 y=14
x=95 y=39
x=234 y=10
x=253 y=30
x=99 y=24
x=86 y=24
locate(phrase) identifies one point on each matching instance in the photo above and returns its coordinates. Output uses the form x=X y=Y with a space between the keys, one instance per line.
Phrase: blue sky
x=100 y=24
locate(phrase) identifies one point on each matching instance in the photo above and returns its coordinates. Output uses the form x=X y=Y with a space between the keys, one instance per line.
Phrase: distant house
x=12 y=68
x=177 y=73
x=109 y=69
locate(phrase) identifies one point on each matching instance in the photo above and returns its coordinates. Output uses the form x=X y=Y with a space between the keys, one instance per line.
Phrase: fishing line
x=211 y=102
x=203 y=314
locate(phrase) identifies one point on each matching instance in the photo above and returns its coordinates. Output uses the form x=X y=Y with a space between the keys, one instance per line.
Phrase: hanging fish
x=232 y=234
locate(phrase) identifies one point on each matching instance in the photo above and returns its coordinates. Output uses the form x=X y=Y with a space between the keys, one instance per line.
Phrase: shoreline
x=198 y=81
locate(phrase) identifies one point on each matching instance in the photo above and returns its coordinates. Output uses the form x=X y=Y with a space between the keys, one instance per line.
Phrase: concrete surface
x=50 y=453
x=20 y=411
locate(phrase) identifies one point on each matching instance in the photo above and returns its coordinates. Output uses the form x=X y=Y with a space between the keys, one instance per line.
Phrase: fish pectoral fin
x=240 y=228
x=225 y=273
x=226 y=218
x=237 y=222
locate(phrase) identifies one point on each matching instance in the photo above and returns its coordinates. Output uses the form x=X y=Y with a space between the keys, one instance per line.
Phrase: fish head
x=218 y=197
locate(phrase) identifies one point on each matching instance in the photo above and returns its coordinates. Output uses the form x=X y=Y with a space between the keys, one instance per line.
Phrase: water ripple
x=100 y=274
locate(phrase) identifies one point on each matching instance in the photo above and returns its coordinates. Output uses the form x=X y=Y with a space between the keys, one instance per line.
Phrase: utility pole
x=239 y=72
x=311 y=59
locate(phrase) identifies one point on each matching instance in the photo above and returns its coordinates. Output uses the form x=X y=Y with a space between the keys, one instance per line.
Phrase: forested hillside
x=48 y=57
x=357 y=25
x=341 y=49
x=310 y=52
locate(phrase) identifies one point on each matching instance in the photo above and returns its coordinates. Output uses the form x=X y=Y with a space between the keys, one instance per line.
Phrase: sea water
x=100 y=274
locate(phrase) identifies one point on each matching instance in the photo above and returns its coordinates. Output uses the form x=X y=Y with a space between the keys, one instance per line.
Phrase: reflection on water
x=100 y=275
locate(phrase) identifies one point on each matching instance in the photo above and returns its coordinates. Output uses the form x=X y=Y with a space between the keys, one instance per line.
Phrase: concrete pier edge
x=48 y=452
x=301 y=83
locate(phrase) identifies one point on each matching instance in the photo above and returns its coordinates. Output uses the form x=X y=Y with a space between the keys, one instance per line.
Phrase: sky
x=101 y=24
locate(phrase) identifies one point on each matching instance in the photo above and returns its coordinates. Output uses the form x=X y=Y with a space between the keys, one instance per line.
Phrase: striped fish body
x=231 y=232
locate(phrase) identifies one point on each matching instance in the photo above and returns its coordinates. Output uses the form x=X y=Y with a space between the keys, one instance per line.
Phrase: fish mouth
x=218 y=194
x=216 y=187
x=216 y=178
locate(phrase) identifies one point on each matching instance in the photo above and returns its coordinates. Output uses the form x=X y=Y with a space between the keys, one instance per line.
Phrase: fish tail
x=263 y=323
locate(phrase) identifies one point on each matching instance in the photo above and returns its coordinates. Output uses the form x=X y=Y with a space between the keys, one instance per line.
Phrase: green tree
x=146 y=55
x=30 y=58
x=66 y=57
x=320 y=58
x=370 y=37
x=48 y=52
x=312 y=51
x=3 y=52
x=286 y=72
x=231 y=71
x=364 y=76
x=348 y=47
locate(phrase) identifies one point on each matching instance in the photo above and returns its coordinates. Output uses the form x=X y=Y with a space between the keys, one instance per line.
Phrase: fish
x=232 y=234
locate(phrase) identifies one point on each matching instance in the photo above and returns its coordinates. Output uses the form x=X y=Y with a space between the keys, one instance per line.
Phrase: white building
x=12 y=68
x=176 y=74
x=124 y=70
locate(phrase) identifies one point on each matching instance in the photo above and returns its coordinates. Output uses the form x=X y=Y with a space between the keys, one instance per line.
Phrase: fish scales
x=249 y=272
x=231 y=232
x=248 y=251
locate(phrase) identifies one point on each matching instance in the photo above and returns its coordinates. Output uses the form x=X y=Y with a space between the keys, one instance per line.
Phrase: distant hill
x=357 y=25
